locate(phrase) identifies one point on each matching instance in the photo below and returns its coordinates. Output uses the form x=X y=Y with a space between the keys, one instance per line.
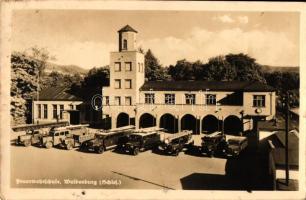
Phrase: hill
x=65 y=69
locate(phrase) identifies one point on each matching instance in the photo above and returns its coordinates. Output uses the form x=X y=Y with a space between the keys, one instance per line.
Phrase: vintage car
x=142 y=140
x=31 y=137
x=58 y=136
x=214 y=142
x=175 y=143
x=236 y=144
x=105 y=140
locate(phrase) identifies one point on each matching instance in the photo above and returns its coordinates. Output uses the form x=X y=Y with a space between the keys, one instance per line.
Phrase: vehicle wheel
x=135 y=151
x=69 y=146
x=48 y=145
x=27 y=143
x=100 y=150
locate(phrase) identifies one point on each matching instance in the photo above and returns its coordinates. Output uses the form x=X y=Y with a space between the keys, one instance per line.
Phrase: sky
x=86 y=37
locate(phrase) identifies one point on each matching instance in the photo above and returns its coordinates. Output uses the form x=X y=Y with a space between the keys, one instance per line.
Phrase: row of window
x=127 y=84
x=118 y=102
x=42 y=111
x=128 y=67
x=210 y=99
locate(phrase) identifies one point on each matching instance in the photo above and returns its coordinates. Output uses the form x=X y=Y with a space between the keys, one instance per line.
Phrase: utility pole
x=286 y=140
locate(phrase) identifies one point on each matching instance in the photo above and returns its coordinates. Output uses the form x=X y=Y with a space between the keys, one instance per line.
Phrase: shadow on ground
x=246 y=172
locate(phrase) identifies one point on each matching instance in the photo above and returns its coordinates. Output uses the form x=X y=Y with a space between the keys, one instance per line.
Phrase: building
x=56 y=104
x=201 y=106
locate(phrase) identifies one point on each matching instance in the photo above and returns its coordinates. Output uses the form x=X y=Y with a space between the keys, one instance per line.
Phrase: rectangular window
x=71 y=107
x=38 y=111
x=128 y=83
x=117 y=66
x=106 y=100
x=128 y=101
x=61 y=111
x=117 y=84
x=149 y=98
x=169 y=98
x=45 y=111
x=190 y=98
x=128 y=66
x=117 y=101
x=210 y=99
x=54 y=111
x=259 y=100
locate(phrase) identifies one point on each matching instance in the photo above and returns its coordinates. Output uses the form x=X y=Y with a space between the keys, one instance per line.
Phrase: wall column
x=178 y=123
x=157 y=121
x=114 y=120
x=200 y=124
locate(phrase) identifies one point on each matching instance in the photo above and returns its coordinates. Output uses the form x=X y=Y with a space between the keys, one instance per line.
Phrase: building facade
x=201 y=106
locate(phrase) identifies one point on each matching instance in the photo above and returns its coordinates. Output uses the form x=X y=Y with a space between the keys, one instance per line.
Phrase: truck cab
x=214 y=142
x=175 y=143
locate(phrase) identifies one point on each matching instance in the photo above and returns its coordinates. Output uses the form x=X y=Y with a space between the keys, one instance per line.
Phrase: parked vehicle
x=57 y=136
x=31 y=137
x=174 y=144
x=78 y=139
x=142 y=140
x=214 y=142
x=107 y=139
x=236 y=145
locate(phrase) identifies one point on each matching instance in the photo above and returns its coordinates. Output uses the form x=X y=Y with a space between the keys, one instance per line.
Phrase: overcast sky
x=85 y=38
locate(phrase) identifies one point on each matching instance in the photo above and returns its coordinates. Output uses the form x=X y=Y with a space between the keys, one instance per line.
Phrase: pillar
x=178 y=123
x=114 y=120
x=200 y=124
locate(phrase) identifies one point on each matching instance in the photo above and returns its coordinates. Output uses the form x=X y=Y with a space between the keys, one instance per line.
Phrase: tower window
x=128 y=83
x=117 y=101
x=117 y=83
x=128 y=101
x=128 y=66
x=117 y=66
x=124 y=44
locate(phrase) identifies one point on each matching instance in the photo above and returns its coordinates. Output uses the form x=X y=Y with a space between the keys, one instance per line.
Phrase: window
x=190 y=98
x=124 y=44
x=128 y=66
x=106 y=101
x=128 y=83
x=210 y=99
x=45 y=111
x=117 y=101
x=71 y=107
x=169 y=98
x=259 y=101
x=117 y=66
x=149 y=98
x=38 y=111
x=54 y=111
x=61 y=111
x=117 y=84
x=128 y=101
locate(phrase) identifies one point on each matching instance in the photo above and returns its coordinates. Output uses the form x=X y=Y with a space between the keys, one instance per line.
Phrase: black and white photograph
x=152 y=97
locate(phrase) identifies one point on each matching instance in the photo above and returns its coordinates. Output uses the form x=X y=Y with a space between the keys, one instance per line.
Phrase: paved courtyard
x=112 y=169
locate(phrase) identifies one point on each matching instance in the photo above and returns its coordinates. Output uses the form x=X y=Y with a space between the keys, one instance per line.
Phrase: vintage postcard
x=152 y=100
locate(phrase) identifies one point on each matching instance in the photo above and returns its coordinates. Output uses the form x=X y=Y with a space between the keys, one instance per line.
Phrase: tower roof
x=127 y=28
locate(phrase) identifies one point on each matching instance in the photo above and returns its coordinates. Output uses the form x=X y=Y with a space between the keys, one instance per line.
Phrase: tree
x=246 y=67
x=153 y=70
x=183 y=70
x=219 y=69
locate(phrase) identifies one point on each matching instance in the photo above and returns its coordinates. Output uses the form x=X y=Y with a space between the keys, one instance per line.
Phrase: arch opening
x=147 y=120
x=169 y=122
x=189 y=122
x=232 y=125
x=210 y=124
x=123 y=119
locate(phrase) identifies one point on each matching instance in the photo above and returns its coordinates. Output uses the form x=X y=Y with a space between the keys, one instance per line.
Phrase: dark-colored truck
x=214 y=142
x=142 y=140
x=175 y=143
x=31 y=137
x=107 y=139
x=236 y=145
x=58 y=136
